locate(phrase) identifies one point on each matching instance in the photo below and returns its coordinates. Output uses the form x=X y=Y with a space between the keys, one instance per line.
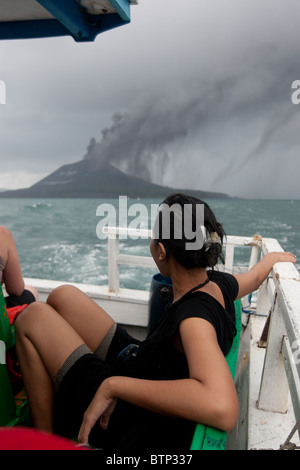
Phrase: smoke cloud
x=196 y=97
x=137 y=142
x=141 y=142
x=223 y=129
x=231 y=121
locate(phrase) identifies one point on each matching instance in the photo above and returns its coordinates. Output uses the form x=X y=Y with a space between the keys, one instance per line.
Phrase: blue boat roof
x=81 y=19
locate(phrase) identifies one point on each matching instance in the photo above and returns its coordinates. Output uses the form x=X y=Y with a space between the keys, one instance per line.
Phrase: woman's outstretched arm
x=251 y=280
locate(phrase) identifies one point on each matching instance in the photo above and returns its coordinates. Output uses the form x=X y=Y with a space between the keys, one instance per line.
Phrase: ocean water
x=57 y=238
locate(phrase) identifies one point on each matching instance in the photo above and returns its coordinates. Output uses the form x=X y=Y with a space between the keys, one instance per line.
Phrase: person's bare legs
x=89 y=320
x=44 y=340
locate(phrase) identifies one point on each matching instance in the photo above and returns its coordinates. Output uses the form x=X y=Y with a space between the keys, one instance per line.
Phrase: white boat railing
x=278 y=299
x=117 y=259
x=280 y=296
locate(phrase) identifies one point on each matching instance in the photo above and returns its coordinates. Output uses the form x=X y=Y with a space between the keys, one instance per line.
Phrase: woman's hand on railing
x=251 y=280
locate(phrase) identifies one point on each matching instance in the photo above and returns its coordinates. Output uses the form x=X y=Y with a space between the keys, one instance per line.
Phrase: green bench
x=14 y=409
x=206 y=437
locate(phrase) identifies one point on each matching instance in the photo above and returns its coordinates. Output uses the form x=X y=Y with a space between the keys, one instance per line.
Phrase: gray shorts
x=83 y=349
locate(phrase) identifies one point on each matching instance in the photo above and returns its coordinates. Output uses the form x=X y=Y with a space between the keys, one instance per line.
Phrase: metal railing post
x=113 y=266
x=274 y=386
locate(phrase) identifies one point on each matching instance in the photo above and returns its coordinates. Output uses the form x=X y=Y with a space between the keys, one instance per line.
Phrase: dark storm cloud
x=142 y=143
x=193 y=97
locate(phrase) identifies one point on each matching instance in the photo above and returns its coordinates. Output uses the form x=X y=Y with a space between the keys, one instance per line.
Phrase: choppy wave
x=38 y=205
x=56 y=239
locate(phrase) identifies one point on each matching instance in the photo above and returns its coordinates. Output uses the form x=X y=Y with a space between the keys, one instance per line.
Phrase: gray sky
x=191 y=94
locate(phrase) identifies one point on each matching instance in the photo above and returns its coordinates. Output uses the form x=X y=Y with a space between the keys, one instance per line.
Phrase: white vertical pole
x=229 y=256
x=113 y=266
x=254 y=256
x=265 y=298
x=274 y=385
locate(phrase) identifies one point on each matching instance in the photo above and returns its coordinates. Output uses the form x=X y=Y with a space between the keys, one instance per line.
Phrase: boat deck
x=267 y=429
x=267 y=378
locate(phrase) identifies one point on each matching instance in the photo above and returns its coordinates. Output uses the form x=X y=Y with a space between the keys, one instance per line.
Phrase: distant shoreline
x=82 y=180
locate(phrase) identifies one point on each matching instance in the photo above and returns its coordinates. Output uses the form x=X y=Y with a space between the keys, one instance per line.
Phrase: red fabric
x=13 y=312
x=19 y=438
x=11 y=358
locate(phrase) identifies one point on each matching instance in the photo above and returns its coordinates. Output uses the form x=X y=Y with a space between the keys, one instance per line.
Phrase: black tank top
x=158 y=358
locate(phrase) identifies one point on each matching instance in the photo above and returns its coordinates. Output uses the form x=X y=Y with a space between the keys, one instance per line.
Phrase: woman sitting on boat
x=85 y=376
x=11 y=273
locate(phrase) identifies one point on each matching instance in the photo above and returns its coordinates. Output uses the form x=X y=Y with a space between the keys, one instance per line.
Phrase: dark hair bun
x=194 y=237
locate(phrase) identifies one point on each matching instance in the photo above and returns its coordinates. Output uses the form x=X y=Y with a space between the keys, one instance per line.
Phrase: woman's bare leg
x=89 y=320
x=44 y=340
x=46 y=335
